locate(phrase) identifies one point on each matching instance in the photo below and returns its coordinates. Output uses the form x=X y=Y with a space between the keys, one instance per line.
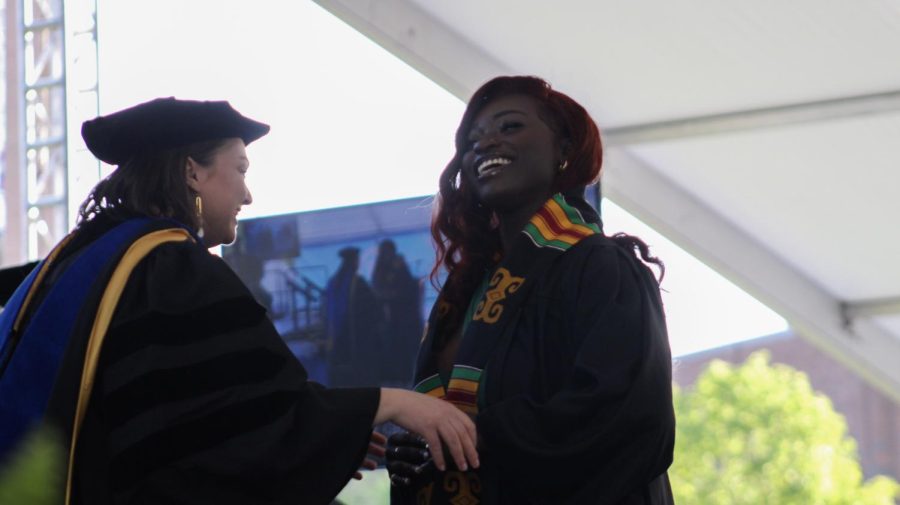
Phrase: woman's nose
x=486 y=142
x=248 y=198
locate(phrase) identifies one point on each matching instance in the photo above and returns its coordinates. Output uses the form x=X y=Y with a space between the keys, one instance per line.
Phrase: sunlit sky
x=350 y=124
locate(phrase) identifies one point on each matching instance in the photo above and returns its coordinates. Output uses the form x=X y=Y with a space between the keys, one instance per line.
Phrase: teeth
x=491 y=162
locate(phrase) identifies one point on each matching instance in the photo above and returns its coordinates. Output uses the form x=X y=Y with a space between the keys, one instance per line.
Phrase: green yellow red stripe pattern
x=432 y=386
x=558 y=225
x=463 y=388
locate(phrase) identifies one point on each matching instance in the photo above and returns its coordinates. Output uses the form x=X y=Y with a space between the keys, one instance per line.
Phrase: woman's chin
x=215 y=238
x=229 y=237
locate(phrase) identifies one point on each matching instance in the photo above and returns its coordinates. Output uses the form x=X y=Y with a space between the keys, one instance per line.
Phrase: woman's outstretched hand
x=438 y=422
x=376 y=450
x=407 y=458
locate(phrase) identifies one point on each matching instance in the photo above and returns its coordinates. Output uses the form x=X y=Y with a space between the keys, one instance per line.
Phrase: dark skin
x=511 y=159
x=407 y=458
x=376 y=450
x=510 y=129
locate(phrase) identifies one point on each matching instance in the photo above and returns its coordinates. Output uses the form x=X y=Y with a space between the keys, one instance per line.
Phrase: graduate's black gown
x=571 y=358
x=580 y=409
x=197 y=399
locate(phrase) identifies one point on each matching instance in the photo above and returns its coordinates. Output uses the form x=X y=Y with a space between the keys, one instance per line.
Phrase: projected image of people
x=353 y=324
x=399 y=296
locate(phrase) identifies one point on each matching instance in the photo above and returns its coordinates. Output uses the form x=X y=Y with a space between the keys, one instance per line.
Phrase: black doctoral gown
x=197 y=400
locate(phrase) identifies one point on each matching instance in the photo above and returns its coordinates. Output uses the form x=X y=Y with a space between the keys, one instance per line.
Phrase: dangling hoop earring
x=563 y=166
x=198 y=205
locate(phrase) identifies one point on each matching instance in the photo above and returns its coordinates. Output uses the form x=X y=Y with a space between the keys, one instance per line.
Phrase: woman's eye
x=510 y=126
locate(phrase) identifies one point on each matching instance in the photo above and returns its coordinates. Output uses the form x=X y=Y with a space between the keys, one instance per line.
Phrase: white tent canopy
x=762 y=137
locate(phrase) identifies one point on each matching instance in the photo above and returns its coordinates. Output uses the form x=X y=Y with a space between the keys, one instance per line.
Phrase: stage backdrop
x=347 y=288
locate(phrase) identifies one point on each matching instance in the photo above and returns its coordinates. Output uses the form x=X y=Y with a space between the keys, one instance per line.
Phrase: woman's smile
x=490 y=166
x=511 y=154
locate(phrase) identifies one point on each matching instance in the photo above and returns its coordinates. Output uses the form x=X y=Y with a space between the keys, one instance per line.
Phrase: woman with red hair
x=550 y=334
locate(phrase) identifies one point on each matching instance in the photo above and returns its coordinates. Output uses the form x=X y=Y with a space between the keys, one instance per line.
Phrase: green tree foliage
x=757 y=433
x=33 y=474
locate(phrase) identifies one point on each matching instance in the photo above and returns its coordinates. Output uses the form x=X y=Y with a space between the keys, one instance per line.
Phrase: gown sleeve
x=608 y=430
x=200 y=401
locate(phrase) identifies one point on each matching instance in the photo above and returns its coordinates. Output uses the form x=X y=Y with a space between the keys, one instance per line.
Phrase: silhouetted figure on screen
x=400 y=301
x=352 y=323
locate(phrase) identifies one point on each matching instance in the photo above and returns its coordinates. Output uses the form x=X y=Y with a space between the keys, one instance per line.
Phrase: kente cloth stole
x=31 y=360
x=561 y=223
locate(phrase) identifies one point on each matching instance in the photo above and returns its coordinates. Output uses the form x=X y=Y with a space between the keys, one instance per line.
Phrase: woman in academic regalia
x=165 y=379
x=549 y=333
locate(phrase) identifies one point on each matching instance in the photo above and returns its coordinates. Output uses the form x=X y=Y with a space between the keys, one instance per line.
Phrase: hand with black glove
x=407 y=458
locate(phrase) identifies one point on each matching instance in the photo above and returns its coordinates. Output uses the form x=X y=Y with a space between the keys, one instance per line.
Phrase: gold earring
x=198 y=204
x=563 y=166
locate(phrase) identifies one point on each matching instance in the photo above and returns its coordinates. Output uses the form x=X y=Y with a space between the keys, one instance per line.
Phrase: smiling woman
x=194 y=398
x=547 y=332
x=512 y=157
x=219 y=186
